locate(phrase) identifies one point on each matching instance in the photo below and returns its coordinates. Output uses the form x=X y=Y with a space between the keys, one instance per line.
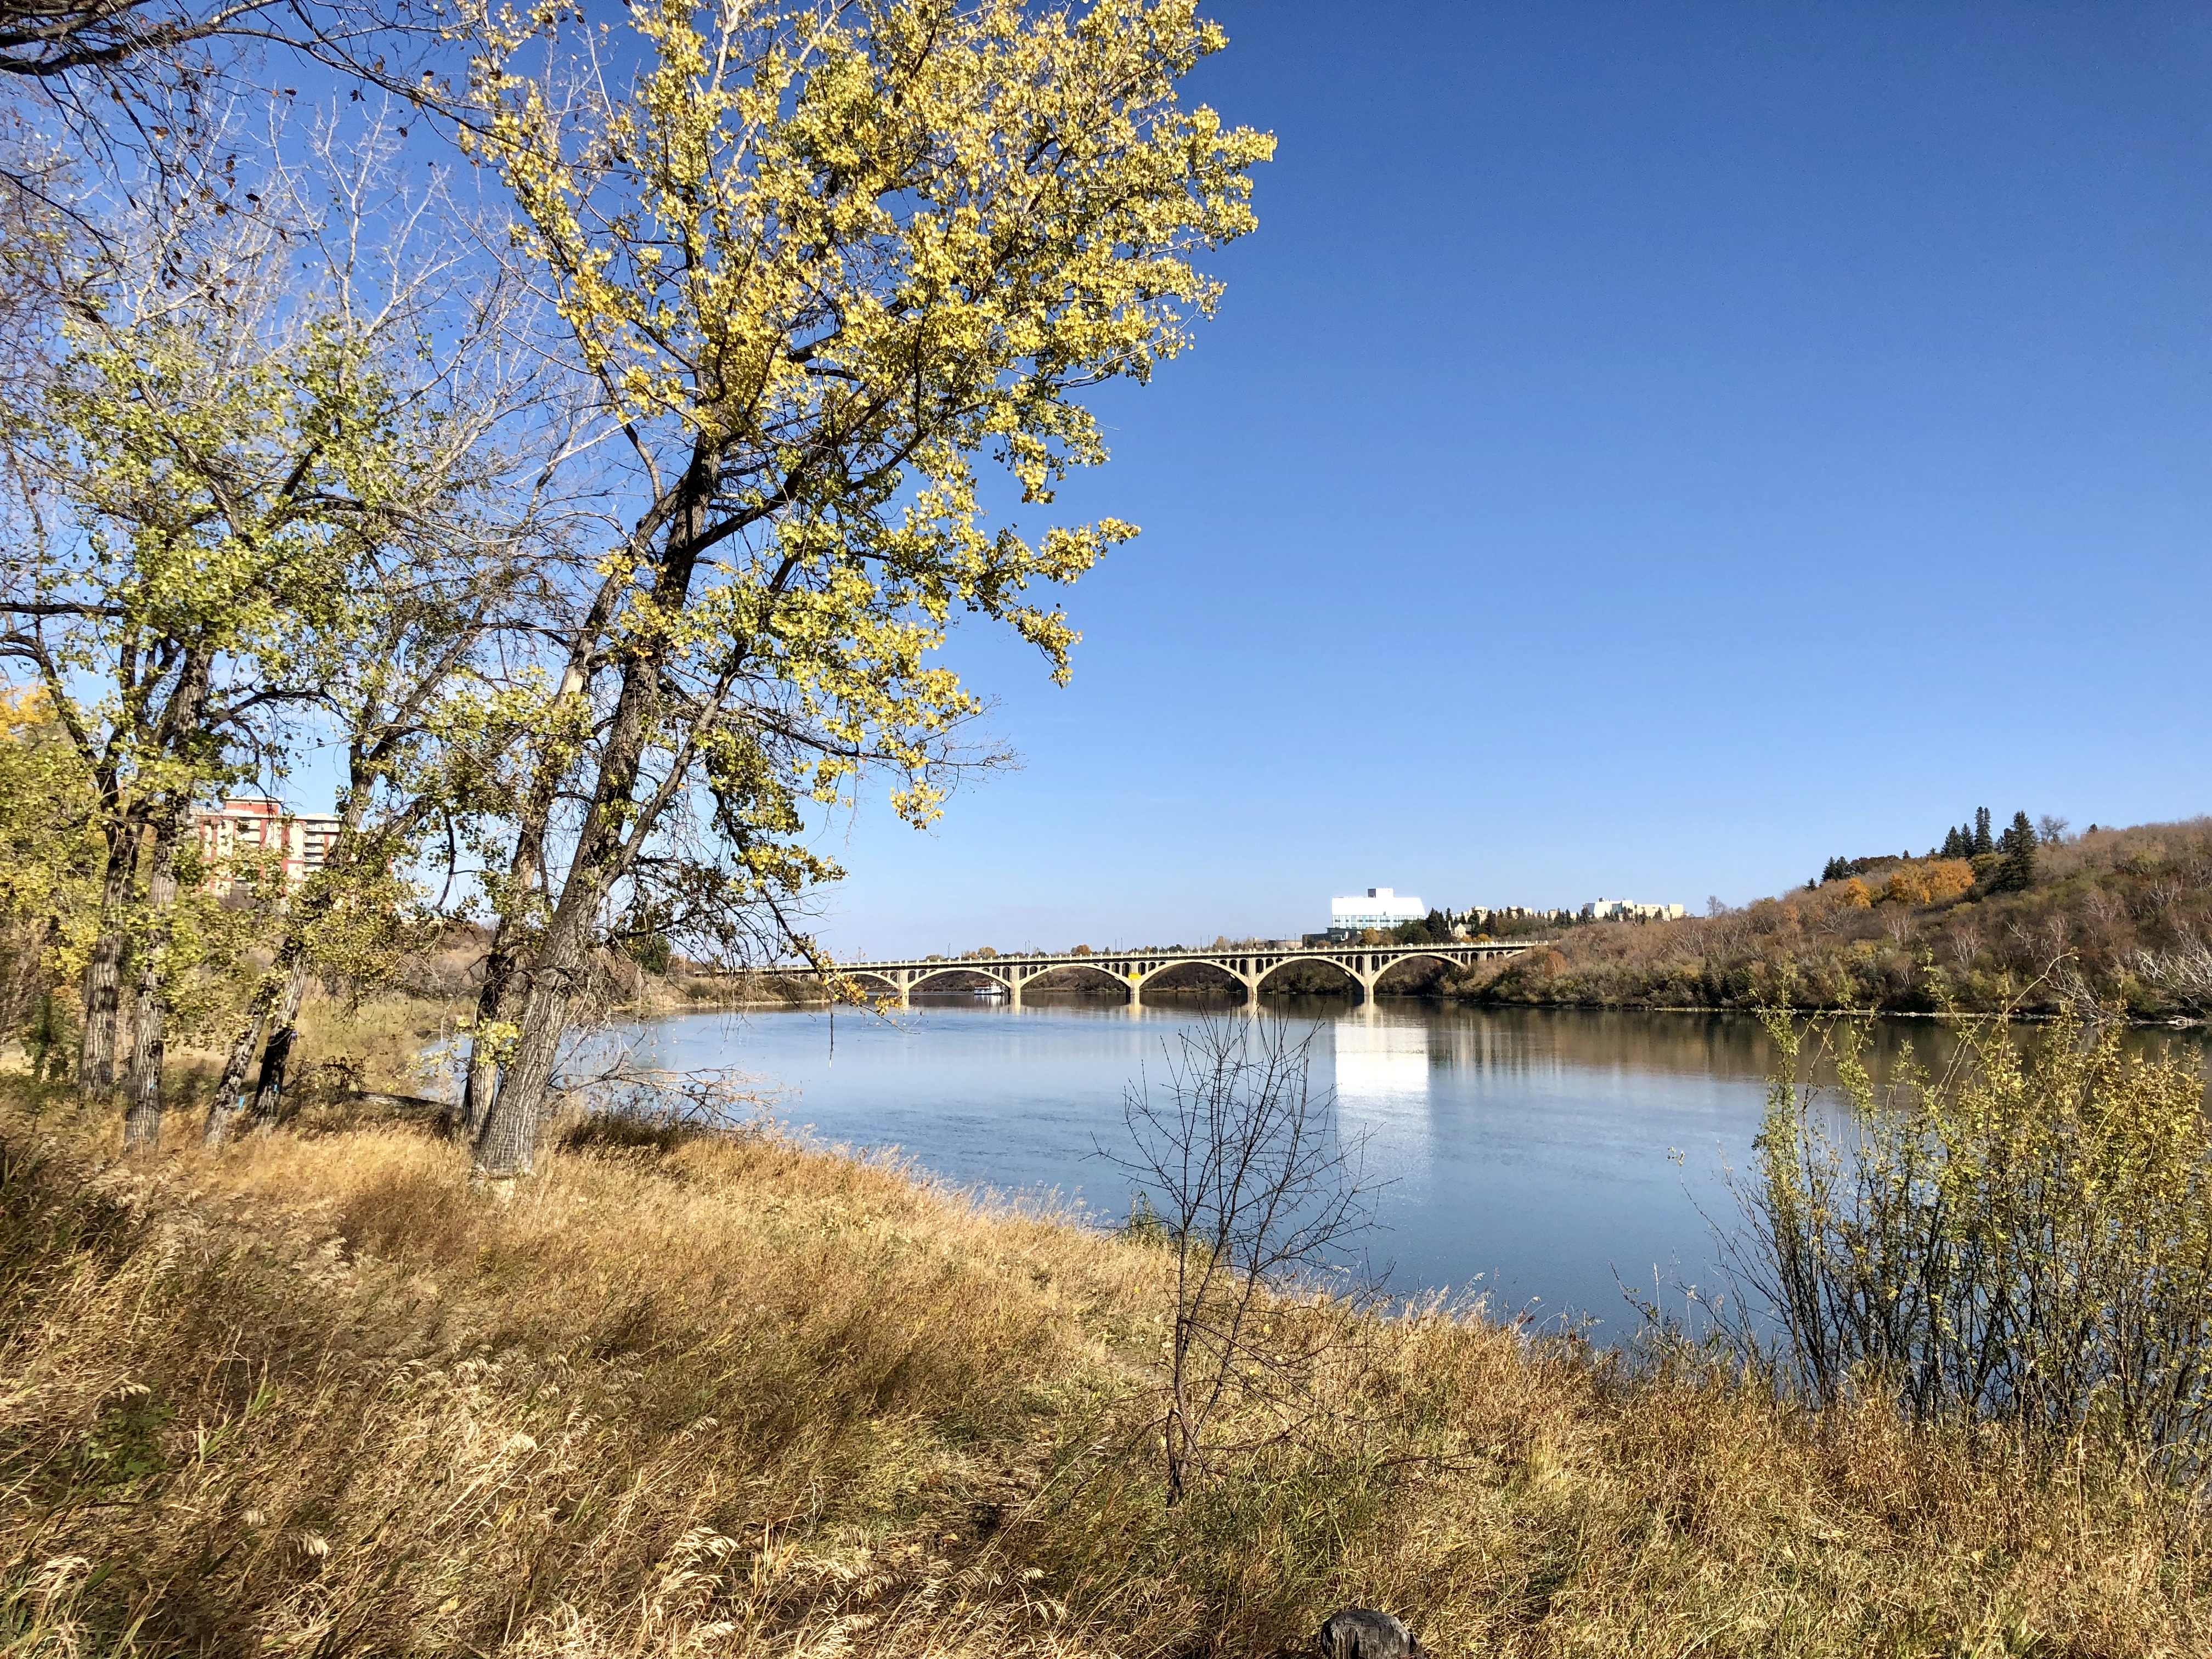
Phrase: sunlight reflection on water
x=1528 y=1151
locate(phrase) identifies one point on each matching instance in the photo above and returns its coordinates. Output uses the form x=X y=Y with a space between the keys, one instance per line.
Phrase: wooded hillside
x=2110 y=916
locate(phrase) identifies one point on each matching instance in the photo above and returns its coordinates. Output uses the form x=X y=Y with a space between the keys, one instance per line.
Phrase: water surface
x=1541 y=1156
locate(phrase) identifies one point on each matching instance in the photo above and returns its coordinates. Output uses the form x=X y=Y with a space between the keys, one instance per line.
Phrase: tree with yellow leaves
x=50 y=857
x=257 y=507
x=1930 y=881
x=815 y=262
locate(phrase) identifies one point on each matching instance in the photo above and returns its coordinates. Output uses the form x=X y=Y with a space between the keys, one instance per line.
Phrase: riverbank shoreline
x=1230 y=1000
x=677 y=1387
x=1935 y=1017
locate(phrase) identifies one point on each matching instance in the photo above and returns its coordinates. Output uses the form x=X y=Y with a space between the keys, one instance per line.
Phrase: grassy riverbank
x=377 y=1042
x=2120 y=917
x=316 y=1395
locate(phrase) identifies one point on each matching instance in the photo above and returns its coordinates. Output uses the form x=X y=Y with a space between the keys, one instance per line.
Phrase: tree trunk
x=228 y=1102
x=142 y=1120
x=102 y=984
x=480 y=1085
x=276 y=1058
x=276 y=1003
x=506 y=1142
x=276 y=1017
x=507 y=1137
x=613 y=827
x=496 y=999
x=42 y=1048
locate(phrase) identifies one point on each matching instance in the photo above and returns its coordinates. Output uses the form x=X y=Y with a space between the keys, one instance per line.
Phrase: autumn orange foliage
x=1930 y=881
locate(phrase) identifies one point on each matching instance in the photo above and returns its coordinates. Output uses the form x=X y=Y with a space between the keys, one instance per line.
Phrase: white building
x=1378 y=907
x=1606 y=909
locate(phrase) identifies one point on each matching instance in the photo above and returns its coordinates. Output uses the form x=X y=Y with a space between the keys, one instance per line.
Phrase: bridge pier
x=1364 y=965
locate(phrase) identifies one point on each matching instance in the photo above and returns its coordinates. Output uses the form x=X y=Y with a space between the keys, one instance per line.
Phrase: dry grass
x=317 y=1396
x=373 y=1043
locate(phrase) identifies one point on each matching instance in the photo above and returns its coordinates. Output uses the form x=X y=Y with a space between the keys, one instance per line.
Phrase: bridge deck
x=1364 y=965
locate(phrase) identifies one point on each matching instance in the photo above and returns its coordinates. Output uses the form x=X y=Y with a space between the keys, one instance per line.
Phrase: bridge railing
x=1202 y=953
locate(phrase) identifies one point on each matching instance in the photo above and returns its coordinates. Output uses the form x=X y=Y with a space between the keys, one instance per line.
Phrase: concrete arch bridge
x=1363 y=964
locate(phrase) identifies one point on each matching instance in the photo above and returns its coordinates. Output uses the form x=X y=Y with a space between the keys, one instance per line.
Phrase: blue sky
x=1643 y=451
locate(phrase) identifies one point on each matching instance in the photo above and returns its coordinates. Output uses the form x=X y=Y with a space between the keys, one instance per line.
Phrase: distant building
x=1606 y=909
x=252 y=827
x=1378 y=907
x=1488 y=920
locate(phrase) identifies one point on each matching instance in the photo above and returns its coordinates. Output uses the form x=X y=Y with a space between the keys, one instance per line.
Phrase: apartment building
x=254 y=827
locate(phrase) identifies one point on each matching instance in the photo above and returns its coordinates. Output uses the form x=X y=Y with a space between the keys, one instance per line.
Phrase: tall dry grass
x=315 y=1394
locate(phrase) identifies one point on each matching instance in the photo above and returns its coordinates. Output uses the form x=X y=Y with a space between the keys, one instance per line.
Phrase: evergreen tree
x=1983 y=843
x=2017 y=873
x=1835 y=870
x=1957 y=844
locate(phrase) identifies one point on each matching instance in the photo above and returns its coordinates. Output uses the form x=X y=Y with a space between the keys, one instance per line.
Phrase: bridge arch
x=979 y=969
x=1396 y=962
x=1091 y=970
x=886 y=980
x=1194 y=975
x=1353 y=981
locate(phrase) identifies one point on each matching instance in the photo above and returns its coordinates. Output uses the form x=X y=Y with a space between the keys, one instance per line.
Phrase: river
x=1542 y=1159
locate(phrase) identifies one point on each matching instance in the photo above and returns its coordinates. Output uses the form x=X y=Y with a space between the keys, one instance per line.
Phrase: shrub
x=2026 y=1237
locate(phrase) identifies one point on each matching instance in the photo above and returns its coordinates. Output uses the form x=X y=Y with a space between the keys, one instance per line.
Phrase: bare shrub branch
x=1244 y=1174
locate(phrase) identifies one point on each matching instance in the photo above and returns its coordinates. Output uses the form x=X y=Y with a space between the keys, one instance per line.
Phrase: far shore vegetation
x=2111 y=918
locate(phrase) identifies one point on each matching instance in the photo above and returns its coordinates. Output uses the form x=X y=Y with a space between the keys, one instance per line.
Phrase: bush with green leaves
x=2025 y=1237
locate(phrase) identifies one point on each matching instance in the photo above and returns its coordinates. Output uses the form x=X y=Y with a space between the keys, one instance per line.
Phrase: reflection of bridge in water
x=1363 y=964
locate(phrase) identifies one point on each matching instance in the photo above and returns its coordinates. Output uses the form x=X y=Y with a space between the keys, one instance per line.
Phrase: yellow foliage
x=1853 y=895
x=827 y=257
x=1998 y=1241
x=48 y=851
x=1930 y=881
